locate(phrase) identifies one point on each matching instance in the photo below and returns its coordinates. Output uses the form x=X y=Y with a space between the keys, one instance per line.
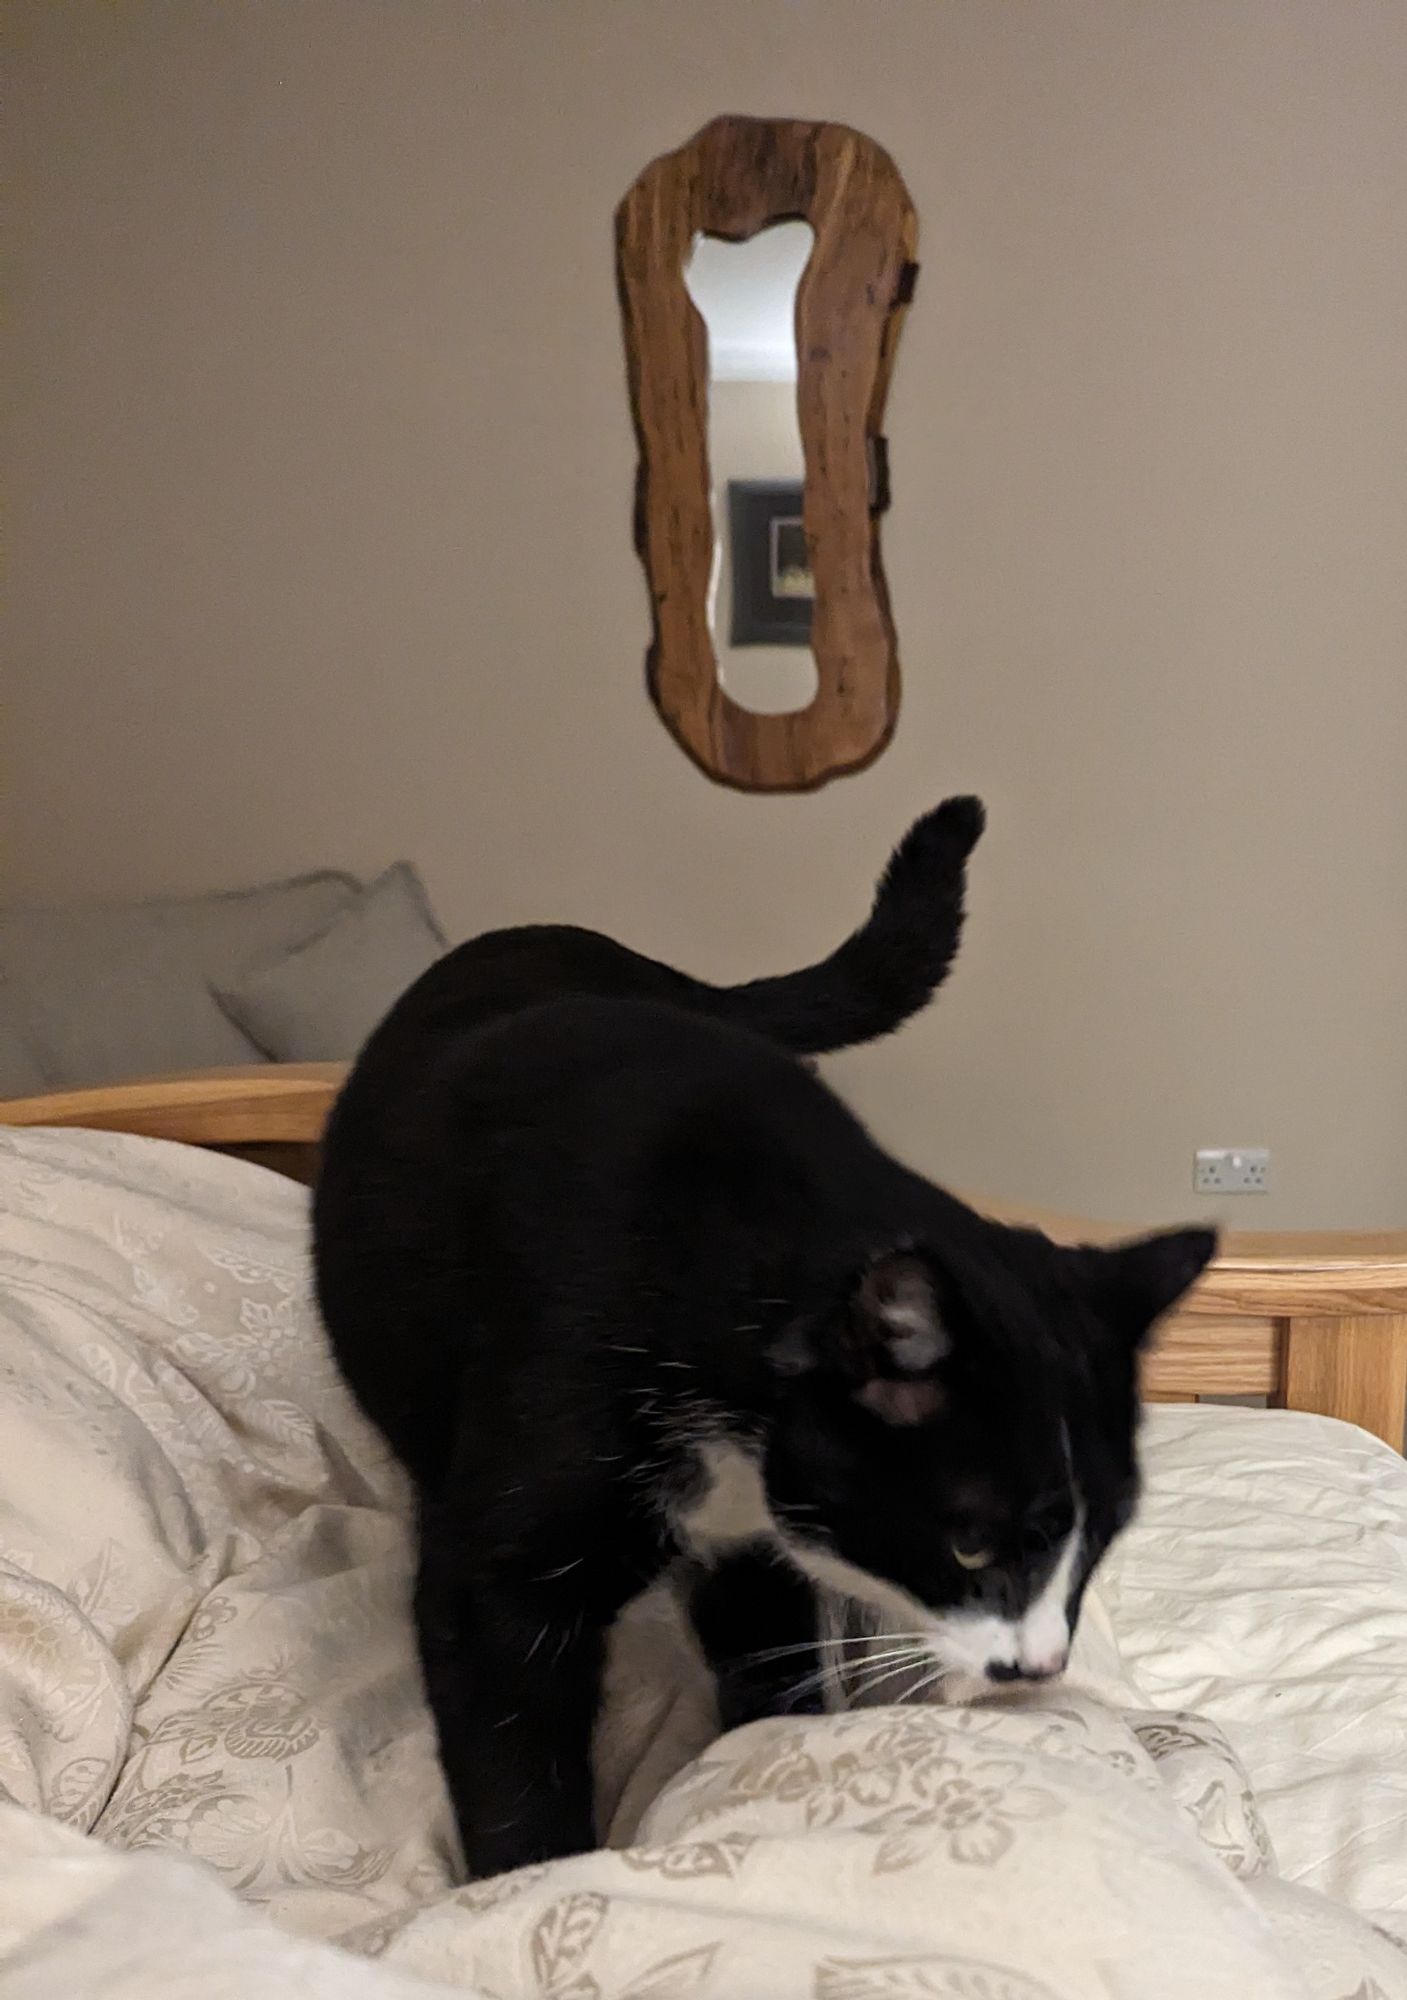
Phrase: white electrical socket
x=1232 y=1170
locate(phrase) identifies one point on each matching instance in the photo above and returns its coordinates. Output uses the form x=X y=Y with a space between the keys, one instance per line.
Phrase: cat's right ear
x=1133 y=1284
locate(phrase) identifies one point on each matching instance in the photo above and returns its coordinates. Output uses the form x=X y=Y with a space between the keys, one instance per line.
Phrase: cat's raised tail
x=889 y=968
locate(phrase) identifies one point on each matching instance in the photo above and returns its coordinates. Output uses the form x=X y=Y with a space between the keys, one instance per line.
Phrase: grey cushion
x=99 y=992
x=319 y=1002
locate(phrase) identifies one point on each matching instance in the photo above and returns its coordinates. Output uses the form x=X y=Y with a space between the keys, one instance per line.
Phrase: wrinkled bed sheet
x=1265 y=1585
x=204 y=1652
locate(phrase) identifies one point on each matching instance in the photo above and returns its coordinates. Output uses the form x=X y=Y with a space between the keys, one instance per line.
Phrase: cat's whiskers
x=864 y=1678
x=939 y=1673
x=895 y=1660
x=820 y=1645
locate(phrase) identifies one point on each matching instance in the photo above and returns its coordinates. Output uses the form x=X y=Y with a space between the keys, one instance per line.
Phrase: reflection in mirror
x=760 y=592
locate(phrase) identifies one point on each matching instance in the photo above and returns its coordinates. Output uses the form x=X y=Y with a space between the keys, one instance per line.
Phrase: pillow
x=97 y=992
x=321 y=1001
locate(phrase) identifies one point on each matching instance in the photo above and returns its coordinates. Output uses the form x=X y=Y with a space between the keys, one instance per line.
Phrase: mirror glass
x=760 y=592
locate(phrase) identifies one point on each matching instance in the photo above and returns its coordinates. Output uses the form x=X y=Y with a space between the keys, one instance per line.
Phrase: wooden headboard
x=1310 y=1321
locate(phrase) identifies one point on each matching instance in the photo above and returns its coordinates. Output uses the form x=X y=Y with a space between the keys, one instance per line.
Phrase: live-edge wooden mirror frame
x=735 y=177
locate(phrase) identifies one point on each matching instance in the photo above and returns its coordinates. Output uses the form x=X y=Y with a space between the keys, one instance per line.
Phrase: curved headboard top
x=259 y=1105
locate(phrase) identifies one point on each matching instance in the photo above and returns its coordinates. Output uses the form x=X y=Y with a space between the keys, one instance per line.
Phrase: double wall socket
x=1232 y=1170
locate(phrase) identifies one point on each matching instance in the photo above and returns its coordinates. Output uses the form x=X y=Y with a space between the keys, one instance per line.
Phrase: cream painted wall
x=321 y=540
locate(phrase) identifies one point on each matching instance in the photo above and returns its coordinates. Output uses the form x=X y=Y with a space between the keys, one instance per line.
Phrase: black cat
x=598 y=1254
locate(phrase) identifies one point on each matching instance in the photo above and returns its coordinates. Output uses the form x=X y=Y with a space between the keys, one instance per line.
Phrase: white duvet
x=1265 y=1585
x=221 y=1775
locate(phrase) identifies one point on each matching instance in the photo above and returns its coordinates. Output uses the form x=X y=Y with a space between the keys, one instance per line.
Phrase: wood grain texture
x=732 y=179
x=1213 y=1357
x=1353 y=1368
x=260 y=1105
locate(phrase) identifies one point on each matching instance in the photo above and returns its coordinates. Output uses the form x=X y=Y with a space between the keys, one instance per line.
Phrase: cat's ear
x=893 y=1338
x=884 y=1343
x=1135 y=1283
x=894 y=1317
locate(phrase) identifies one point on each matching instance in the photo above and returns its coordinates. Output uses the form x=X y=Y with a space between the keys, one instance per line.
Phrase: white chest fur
x=728 y=1504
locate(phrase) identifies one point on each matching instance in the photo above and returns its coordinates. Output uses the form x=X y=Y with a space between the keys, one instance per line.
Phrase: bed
x=220 y=1775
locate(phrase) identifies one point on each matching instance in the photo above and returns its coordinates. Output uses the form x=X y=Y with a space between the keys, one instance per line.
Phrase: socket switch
x=1232 y=1170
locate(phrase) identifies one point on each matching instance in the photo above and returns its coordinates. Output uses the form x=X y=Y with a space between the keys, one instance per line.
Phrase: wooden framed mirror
x=784 y=555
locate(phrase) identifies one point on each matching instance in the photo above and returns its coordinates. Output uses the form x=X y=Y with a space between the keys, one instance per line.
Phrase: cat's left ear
x=1135 y=1283
x=884 y=1342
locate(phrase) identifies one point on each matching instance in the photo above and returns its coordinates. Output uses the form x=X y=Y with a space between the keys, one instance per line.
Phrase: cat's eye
x=972 y=1558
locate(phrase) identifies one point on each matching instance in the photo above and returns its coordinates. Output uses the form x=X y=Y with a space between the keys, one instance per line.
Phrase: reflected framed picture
x=773 y=589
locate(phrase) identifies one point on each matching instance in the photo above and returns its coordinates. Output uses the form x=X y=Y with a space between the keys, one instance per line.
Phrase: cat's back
x=504 y=972
x=566 y=1103
x=620 y=1068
